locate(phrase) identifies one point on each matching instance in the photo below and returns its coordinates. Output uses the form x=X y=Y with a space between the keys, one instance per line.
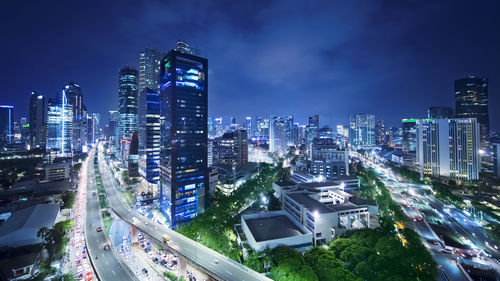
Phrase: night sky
x=390 y=58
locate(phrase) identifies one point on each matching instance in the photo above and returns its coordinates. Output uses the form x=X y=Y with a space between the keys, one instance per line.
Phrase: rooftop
x=21 y=228
x=272 y=227
x=309 y=203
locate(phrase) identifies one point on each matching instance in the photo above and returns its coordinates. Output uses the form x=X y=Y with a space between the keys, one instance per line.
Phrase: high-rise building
x=439 y=112
x=152 y=144
x=149 y=74
x=471 y=101
x=37 y=120
x=448 y=148
x=231 y=149
x=60 y=126
x=362 y=130
x=278 y=141
x=184 y=47
x=289 y=131
x=6 y=124
x=248 y=125
x=112 y=125
x=149 y=69
x=183 y=161
x=328 y=159
x=409 y=130
x=127 y=104
x=380 y=132
x=75 y=99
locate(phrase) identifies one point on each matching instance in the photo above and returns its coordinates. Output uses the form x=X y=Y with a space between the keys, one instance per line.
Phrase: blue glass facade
x=184 y=172
x=152 y=148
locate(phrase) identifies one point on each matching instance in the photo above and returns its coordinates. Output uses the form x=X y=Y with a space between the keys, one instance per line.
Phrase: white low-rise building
x=273 y=229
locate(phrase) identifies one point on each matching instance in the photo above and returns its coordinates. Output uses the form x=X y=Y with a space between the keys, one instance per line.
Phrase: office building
x=409 y=131
x=152 y=143
x=362 y=130
x=328 y=159
x=278 y=141
x=471 y=101
x=75 y=99
x=231 y=149
x=37 y=120
x=269 y=230
x=439 y=112
x=6 y=124
x=380 y=132
x=127 y=104
x=448 y=148
x=183 y=161
x=311 y=130
x=60 y=126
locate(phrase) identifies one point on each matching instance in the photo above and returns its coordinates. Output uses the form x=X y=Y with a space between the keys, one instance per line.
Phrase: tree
x=68 y=199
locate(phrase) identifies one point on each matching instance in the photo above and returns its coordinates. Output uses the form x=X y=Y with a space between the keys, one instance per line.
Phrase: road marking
x=113 y=272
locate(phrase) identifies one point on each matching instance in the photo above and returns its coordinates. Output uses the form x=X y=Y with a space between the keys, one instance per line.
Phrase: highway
x=210 y=260
x=414 y=201
x=108 y=264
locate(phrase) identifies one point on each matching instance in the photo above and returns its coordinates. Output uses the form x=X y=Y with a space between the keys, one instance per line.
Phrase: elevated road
x=212 y=262
x=108 y=264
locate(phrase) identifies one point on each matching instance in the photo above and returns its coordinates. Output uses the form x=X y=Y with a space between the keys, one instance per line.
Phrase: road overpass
x=214 y=264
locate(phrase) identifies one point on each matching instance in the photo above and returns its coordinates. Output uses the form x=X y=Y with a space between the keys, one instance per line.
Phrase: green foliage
x=68 y=199
x=214 y=228
x=78 y=166
x=170 y=275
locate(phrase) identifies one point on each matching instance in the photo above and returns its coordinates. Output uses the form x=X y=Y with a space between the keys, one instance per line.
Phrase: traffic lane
x=106 y=262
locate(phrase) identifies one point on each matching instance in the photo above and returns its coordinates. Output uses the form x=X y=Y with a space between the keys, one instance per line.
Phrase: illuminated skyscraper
x=448 y=148
x=409 y=130
x=362 y=130
x=37 y=120
x=127 y=104
x=75 y=99
x=6 y=124
x=60 y=126
x=151 y=157
x=277 y=135
x=471 y=101
x=380 y=132
x=183 y=161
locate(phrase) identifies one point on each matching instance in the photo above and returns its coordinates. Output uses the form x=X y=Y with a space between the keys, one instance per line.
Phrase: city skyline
x=344 y=44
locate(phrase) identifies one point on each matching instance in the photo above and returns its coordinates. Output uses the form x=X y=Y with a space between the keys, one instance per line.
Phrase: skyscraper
x=37 y=120
x=6 y=123
x=439 y=112
x=277 y=135
x=60 y=126
x=362 y=129
x=312 y=129
x=471 y=101
x=127 y=104
x=149 y=69
x=152 y=143
x=75 y=99
x=409 y=130
x=183 y=161
x=448 y=148
x=231 y=149
x=380 y=132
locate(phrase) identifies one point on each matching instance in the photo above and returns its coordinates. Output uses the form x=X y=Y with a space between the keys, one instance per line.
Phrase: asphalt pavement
x=208 y=259
x=108 y=265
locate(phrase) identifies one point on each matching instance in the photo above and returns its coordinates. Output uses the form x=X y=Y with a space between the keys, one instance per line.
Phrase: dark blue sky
x=391 y=58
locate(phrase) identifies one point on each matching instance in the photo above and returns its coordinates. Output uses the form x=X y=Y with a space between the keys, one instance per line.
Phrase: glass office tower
x=152 y=147
x=127 y=104
x=37 y=119
x=471 y=101
x=60 y=126
x=183 y=161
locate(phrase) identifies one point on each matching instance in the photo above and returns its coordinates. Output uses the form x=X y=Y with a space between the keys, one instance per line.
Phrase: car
x=106 y=247
x=99 y=229
x=93 y=193
x=145 y=271
x=446 y=251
